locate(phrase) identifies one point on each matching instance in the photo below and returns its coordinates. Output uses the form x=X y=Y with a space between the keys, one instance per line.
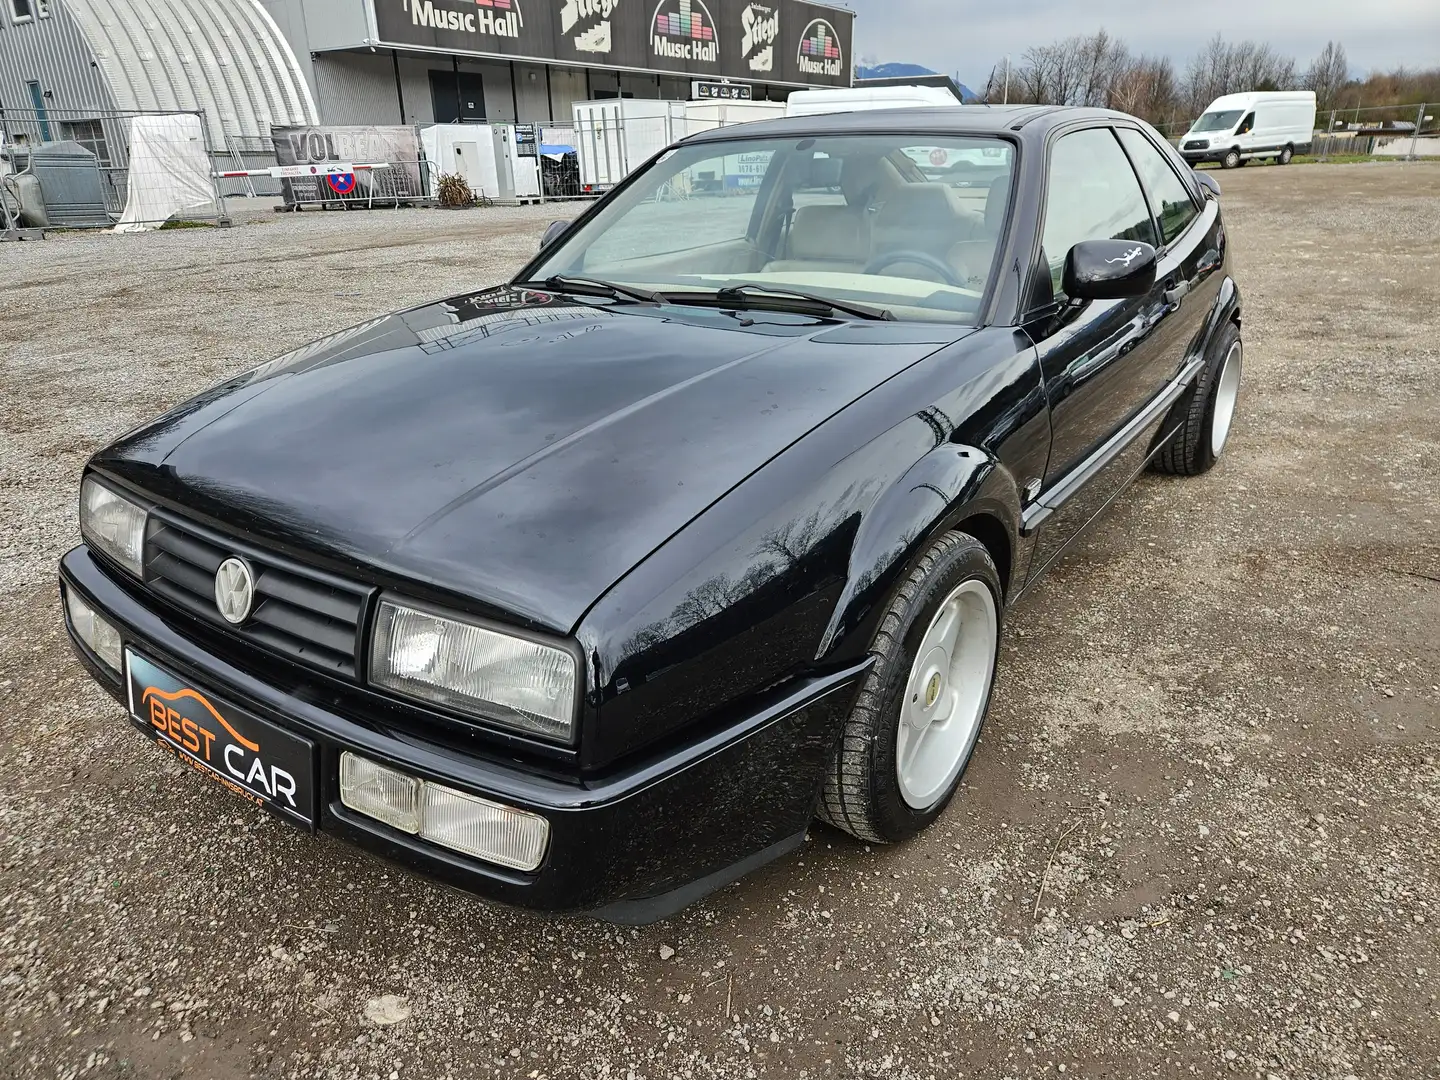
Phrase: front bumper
x=632 y=847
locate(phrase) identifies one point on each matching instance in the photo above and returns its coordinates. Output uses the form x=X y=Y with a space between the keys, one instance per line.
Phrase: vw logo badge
x=234 y=590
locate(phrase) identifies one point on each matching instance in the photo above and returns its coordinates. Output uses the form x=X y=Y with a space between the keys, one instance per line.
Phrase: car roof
x=1025 y=120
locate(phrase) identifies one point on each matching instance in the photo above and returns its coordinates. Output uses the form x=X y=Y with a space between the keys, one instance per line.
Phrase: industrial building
x=66 y=65
x=70 y=68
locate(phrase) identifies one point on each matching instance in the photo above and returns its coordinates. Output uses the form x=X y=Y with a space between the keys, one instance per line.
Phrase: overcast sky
x=952 y=35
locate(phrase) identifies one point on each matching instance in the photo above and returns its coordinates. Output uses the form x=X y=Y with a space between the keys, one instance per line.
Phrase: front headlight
x=113 y=524
x=513 y=681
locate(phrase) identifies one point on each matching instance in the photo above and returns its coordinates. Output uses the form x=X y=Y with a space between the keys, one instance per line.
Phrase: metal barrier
x=560 y=164
x=95 y=145
x=1385 y=131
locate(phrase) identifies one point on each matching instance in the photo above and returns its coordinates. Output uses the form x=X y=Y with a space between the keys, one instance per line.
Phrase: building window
x=89 y=134
x=21 y=10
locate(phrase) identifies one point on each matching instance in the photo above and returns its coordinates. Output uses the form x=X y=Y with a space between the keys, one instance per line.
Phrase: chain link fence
x=76 y=168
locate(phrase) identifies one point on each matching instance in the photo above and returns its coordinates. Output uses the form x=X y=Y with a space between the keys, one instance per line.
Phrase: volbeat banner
x=782 y=41
x=322 y=147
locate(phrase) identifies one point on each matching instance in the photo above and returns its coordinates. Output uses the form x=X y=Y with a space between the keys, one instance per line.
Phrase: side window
x=1093 y=195
x=1247 y=125
x=1173 y=204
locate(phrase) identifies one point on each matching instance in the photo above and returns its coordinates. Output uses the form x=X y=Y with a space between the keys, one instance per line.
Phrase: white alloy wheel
x=945 y=696
x=1227 y=390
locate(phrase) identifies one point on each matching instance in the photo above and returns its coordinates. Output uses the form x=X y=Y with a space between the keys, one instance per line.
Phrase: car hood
x=512 y=447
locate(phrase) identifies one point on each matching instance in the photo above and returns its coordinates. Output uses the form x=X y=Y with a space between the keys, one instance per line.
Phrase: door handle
x=1176 y=293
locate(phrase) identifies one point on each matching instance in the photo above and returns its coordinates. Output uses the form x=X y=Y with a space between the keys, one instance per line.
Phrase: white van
x=853 y=99
x=1238 y=127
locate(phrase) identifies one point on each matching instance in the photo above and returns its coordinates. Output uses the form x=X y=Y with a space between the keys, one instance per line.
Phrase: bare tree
x=1223 y=68
x=1327 y=75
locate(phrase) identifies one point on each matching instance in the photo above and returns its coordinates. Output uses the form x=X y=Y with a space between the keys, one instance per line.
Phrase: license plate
x=252 y=758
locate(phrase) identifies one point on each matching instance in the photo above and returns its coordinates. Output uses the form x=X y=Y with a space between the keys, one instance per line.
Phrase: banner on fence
x=311 y=157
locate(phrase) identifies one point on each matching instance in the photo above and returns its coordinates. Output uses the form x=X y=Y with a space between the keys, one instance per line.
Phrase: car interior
x=895 y=220
x=913 y=228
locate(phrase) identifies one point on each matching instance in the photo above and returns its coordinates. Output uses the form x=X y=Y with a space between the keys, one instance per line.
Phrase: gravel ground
x=1199 y=837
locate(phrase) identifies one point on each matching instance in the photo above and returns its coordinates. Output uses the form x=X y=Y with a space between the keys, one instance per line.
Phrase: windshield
x=1218 y=121
x=901 y=223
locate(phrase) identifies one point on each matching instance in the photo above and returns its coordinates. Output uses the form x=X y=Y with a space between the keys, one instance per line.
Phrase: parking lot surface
x=1199 y=837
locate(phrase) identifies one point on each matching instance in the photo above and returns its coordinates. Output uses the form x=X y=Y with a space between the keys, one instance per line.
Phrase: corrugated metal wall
x=225 y=57
x=53 y=52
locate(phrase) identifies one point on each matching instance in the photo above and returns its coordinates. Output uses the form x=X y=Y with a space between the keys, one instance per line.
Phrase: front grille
x=298 y=612
x=1197 y=144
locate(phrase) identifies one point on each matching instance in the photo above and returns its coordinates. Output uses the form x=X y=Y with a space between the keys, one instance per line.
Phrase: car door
x=1191 y=249
x=1104 y=362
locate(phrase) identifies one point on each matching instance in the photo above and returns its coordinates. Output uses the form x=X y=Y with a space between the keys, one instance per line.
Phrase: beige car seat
x=972 y=258
x=837 y=237
x=924 y=218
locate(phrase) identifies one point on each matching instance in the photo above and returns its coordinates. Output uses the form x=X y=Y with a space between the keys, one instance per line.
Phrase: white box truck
x=617 y=135
x=852 y=99
x=1237 y=128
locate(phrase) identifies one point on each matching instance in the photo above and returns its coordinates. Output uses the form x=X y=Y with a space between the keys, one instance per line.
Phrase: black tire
x=1190 y=450
x=1285 y=156
x=1232 y=160
x=862 y=793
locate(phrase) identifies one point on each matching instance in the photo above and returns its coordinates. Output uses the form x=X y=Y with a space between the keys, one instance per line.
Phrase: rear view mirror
x=1108 y=270
x=824 y=172
x=1208 y=182
x=552 y=233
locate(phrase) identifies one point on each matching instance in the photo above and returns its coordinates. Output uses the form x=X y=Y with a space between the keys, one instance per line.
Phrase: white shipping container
x=486 y=155
x=707 y=115
x=616 y=136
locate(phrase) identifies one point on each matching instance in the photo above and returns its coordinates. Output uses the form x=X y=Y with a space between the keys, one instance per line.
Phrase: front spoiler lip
x=596 y=809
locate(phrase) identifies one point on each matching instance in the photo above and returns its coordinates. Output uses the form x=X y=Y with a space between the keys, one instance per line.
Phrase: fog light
x=380 y=793
x=99 y=636
x=453 y=819
x=479 y=827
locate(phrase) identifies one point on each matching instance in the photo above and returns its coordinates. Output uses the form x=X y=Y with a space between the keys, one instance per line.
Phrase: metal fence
x=1405 y=132
x=75 y=168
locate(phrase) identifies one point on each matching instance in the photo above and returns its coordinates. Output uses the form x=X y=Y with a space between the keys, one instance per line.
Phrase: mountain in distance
x=905 y=71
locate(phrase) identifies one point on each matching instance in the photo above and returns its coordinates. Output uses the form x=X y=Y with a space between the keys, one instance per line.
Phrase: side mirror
x=1208 y=182
x=1108 y=270
x=552 y=233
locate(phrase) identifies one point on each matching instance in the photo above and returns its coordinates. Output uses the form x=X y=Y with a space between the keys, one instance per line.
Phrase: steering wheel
x=890 y=258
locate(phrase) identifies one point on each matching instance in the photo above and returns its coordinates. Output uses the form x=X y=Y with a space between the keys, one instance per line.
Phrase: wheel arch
x=953 y=488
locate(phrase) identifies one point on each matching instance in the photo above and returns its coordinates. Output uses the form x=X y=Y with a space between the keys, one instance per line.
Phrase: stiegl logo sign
x=761 y=26
x=684 y=30
x=820 y=50
x=592 y=17
x=491 y=18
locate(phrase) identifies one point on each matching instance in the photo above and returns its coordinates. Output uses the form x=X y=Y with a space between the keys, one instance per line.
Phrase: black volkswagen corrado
x=590 y=591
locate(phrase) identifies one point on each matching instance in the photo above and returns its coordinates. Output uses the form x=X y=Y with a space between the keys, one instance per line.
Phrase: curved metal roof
x=226 y=57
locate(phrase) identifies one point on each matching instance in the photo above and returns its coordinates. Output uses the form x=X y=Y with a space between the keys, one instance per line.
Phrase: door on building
x=37 y=97
x=458 y=96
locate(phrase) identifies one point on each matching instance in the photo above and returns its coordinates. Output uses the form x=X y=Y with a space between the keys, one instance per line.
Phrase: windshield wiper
x=736 y=294
x=584 y=286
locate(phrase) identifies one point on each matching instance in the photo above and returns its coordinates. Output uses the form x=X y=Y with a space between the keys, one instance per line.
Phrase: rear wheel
x=1206 y=417
x=914 y=724
x=1285 y=156
x=1232 y=160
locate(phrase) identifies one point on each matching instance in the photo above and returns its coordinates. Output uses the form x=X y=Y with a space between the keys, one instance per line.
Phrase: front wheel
x=1232 y=160
x=915 y=722
x=1285 y=156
